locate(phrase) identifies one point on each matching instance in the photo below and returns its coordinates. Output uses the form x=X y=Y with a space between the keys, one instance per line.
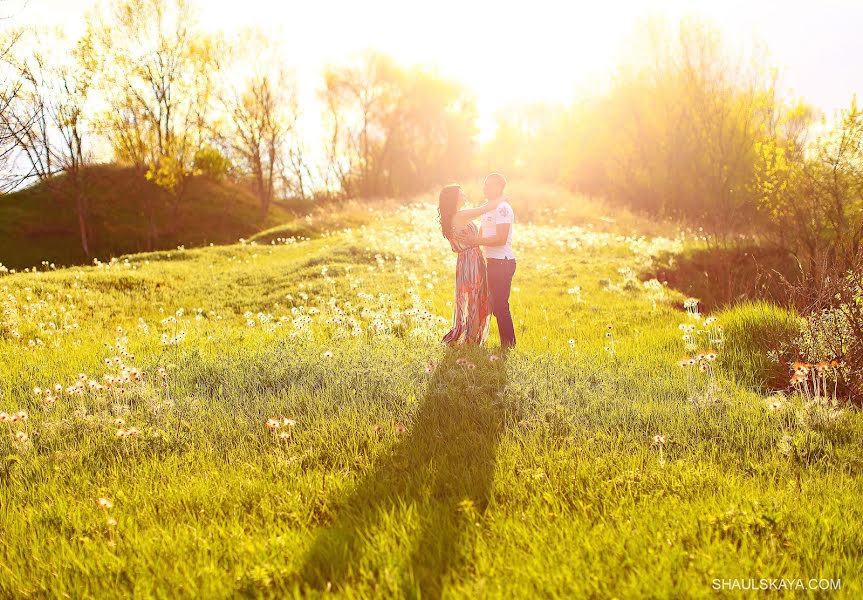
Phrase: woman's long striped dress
x=471 y=308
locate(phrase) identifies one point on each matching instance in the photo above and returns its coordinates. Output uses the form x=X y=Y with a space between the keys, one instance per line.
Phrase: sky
x=530 y=50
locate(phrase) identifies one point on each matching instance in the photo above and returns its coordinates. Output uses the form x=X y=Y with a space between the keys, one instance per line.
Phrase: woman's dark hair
x=448 y=206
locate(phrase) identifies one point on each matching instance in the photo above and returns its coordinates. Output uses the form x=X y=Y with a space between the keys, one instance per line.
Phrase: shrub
x=813 y=194
x=833 y=330
x=760 y=342
x=211 y=163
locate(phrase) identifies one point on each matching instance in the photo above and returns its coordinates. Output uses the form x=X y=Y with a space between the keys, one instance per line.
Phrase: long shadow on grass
x=442 y=470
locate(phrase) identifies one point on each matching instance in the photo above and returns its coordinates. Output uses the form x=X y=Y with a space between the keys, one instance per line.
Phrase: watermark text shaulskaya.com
x=768 y=584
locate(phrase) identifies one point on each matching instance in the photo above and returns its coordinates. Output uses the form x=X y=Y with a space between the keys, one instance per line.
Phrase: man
x=496 y=236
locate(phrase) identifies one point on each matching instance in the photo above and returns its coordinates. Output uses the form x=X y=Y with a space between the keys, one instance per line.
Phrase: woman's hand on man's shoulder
x=492 y=204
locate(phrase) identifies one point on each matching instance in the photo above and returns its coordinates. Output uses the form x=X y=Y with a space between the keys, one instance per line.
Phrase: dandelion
x=4 y=417
x=659 y=441
x=111 y=522
x=105 y=503
x=328 y=354
x=37 y=391
x=493 y=358
x=471 y=366
x=691 y=306
x=400 y=428
x=19 y=416
x=430 y=367
x=119 y=422
x=801 y=368
x=572 y=343
x=775 y=406
x=272 y=424
x=124 y=433
x=21 y=436
x=288 y=422
x=284 y=435
x=461 y=361
x=376 y=429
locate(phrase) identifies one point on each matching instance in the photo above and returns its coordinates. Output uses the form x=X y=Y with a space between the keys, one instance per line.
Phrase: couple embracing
x=482 y=282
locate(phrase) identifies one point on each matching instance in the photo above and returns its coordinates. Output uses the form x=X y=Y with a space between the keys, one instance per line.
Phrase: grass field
x=398 y=468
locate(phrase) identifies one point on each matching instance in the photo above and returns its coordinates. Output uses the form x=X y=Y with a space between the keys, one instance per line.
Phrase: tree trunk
x=265 y=204
x=81 y=210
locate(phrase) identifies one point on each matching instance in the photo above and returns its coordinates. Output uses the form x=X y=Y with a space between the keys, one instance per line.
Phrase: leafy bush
x=760 y=342
x=833 y=330
x=211 y=163
x=813 y=194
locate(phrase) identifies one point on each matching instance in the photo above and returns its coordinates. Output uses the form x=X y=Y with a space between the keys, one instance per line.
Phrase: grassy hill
x=404 y=468
x=37 y=225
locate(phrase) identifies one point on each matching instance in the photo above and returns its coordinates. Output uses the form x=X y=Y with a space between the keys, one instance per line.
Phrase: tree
x=160 y=85
x=812 y=195
x=48 y=121
x=12 y=84
x=395 y=131
x=676 y=135
x=260 y=129
x=355 y=97
x=262 y=113
x=528 y=140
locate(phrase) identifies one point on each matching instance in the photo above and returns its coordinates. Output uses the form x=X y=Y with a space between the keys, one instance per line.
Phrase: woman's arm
x=498 y=239
x=468 y=214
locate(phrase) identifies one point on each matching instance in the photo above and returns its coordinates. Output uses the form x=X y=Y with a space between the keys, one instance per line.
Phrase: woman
x=472 y=310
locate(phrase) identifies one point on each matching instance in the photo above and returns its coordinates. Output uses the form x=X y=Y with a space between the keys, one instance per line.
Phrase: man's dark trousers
x=500 y=272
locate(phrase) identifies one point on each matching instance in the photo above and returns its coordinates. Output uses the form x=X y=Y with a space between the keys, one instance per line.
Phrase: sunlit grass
x=402 y=468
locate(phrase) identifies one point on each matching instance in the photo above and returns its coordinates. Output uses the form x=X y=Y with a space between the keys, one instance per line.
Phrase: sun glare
x=515 y=52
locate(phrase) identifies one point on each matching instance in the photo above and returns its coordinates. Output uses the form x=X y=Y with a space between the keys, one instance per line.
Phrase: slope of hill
x=281 y=420
x=36 y=226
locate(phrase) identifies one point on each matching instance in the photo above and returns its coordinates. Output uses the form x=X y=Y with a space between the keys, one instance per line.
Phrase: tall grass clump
x=760 y=342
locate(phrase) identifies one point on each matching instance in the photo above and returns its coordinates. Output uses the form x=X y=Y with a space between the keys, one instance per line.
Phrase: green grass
x=760 y=344
x=534 y=475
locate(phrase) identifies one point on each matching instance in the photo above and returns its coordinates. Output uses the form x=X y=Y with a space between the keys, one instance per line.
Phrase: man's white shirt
x=501 y=214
